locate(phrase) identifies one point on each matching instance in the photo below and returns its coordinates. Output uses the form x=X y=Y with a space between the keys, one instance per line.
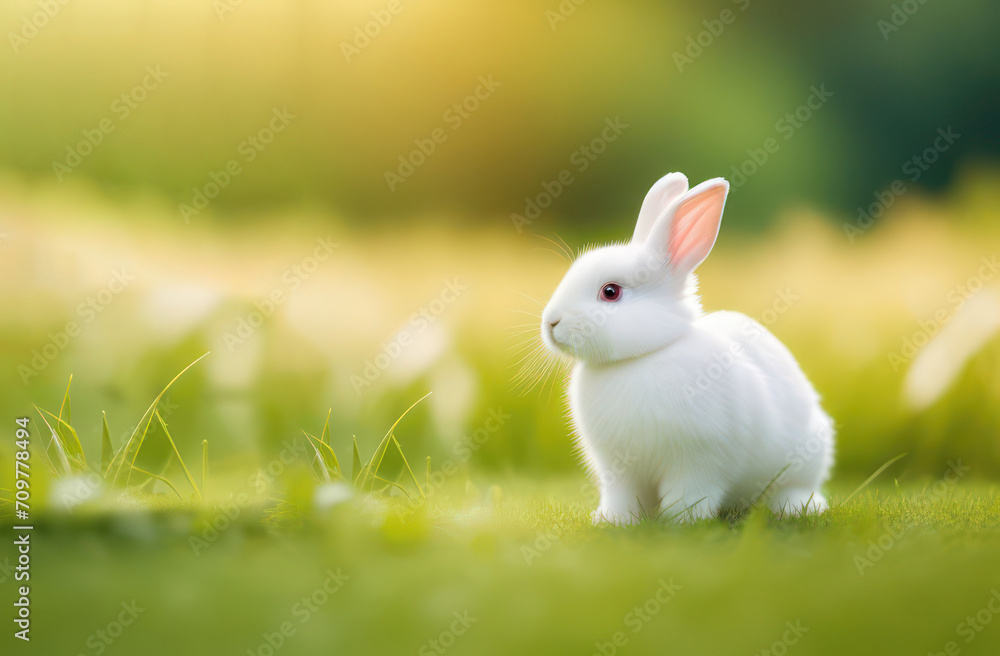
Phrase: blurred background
x=351 y=204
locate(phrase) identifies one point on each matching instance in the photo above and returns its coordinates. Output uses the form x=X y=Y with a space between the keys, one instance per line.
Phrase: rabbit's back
x=727 y=398
x=791 y=426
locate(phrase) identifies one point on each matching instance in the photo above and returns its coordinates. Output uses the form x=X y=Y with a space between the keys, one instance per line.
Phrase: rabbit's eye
x=611 y=292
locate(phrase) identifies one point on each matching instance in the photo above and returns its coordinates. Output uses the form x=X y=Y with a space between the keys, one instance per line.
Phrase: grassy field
x=226 y=535
x=521 y=570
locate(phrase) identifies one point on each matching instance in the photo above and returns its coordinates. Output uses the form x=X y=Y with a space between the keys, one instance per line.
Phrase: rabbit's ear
x=685 y=233
x=659 y=197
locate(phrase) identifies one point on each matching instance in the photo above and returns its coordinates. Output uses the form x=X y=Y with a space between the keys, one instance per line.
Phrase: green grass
x=503 y=532
x=887 y=572
x=391 y=563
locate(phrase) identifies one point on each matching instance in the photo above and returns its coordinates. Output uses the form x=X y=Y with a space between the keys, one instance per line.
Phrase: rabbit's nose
x=553 y=324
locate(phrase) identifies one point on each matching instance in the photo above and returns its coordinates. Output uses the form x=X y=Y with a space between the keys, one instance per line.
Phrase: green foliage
x=609 y=59
x=64 y=454
x=365 y=476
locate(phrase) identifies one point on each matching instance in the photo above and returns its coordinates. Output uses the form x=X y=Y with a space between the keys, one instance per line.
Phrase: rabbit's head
x=629 y=299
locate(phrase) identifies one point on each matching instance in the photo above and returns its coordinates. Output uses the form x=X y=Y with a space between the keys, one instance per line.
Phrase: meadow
x=271 y=281
x=901 y=571
x=465 y=526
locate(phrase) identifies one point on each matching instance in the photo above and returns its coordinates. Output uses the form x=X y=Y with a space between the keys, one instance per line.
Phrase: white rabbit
x=680 y=413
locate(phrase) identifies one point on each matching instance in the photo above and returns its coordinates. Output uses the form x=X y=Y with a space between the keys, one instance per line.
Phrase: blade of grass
x=159 y=478
x=54 y=438
x=69 y=439
x=178 y=453
x=107 y=450
x=385 y=442
x=204 y=466
x=325 y=439
x=149 y=413
x=325 y=435
x=319 y=458
x=412 y=475
x=377 y=458
x=330 y=456
x=135 y=454
x=397 y=485
x=326 y=453
x=65 y=403
x=767 y=489
x=356 y=464
x=119 y=452
x=873 y=477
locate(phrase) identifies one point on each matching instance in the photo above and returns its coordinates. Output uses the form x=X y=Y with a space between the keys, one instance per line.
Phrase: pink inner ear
x=695 y=227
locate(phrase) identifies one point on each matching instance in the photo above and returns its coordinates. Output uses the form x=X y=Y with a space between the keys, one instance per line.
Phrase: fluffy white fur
x=678 y=412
